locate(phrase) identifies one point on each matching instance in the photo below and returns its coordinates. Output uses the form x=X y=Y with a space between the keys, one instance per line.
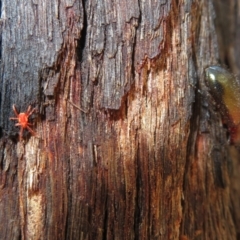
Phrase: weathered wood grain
x=126 y=147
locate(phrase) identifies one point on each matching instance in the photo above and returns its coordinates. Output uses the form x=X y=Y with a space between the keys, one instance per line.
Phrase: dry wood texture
x=126 y=146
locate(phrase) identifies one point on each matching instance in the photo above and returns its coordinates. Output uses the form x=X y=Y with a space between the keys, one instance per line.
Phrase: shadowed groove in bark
x=1 y=23
x=1 y=30
x=81 y=42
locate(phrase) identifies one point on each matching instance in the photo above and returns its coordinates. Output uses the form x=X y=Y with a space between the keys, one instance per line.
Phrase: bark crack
x=83 y=35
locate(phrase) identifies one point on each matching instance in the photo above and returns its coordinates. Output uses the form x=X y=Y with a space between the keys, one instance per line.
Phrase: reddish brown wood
x=126 y=146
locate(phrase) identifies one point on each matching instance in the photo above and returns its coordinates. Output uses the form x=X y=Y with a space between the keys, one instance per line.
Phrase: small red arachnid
x=22 y=119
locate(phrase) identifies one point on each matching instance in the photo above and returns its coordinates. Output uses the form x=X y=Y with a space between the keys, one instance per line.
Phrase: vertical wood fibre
x=123 y=147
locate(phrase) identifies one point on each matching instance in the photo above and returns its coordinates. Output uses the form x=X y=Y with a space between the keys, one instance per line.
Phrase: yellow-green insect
x=225 y=89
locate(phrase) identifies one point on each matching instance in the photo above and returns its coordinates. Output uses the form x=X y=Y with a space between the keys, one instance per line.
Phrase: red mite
x=22 y=119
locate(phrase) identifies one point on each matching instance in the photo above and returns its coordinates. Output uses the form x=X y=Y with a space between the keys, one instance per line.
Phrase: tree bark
x=128 y=143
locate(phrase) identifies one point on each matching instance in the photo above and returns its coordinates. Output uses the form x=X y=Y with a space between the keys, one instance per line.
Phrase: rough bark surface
x=126 y=146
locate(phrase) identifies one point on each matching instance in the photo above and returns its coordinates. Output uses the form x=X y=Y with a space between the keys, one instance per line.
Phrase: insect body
x=225 y=90
x=22 y=119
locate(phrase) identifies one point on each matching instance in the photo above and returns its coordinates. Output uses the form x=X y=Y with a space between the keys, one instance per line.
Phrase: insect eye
x=213 y=81
x=217 y=74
